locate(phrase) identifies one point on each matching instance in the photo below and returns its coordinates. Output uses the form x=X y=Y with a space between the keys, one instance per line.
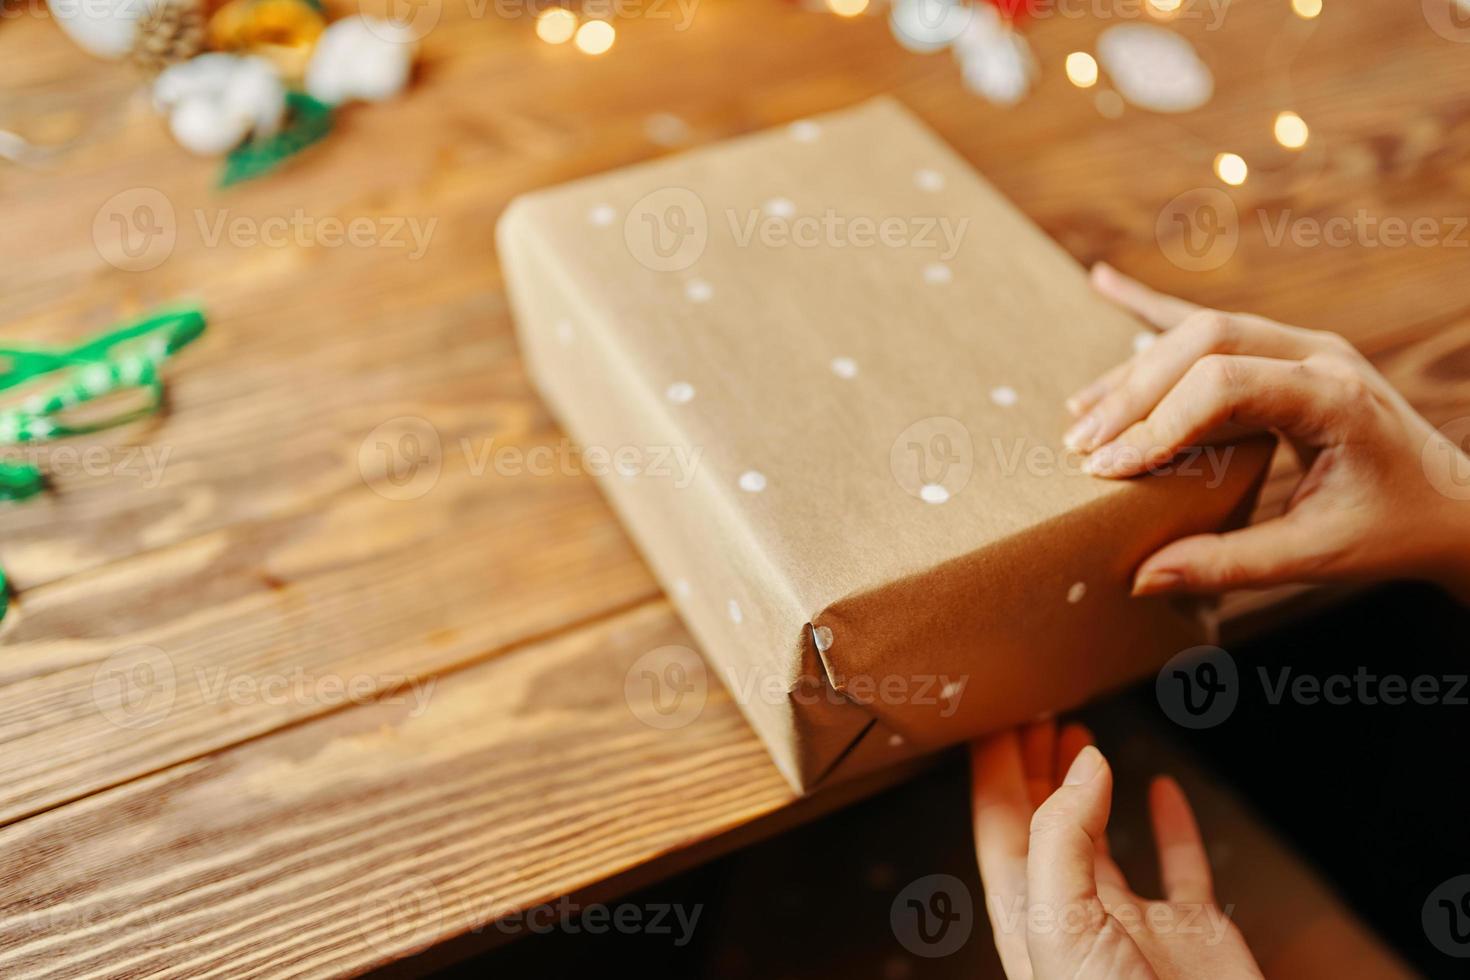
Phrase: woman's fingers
x=1061 y=874
x=1038 y=756
x=1002 y=814
x=1183 y=866
x=1162 y=310
x=1253 y=392
x=1083 y=400
x=1284 y=549
x=1072 y=740
x=1070 y=743
x=1153 y=372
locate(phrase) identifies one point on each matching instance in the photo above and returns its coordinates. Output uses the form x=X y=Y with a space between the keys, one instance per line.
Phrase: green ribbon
x=123 y=358
x=308 y=121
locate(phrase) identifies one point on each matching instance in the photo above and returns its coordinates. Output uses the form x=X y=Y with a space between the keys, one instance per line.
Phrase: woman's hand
x=1370 y=504
x=1058 y=904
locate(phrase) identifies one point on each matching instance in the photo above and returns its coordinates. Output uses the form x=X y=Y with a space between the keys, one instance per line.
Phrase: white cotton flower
x=1154 y=68
x=923 y=26
x=105 y=28
x=215 y=101
x=995 y=60
x=360 y=58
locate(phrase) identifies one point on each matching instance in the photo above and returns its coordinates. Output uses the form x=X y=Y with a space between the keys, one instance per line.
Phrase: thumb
x=1272 y=553
x=1061 y=874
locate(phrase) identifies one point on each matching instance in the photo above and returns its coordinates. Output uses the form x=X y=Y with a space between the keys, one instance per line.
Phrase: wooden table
x=257 y=715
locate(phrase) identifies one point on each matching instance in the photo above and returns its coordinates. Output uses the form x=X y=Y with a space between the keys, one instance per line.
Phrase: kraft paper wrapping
x=825 y=367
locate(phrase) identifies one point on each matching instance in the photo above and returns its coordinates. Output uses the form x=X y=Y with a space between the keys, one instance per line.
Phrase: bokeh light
x=556 y=25
x=1290 y=130
x=595 y=37
x=1231 y=168
x=1081 y=69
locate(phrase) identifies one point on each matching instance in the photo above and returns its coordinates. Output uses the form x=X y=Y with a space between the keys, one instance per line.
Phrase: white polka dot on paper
x=805 y=131
x=844 y=367
x=736 y=615
x=779 y=207
x=1143 y=340
x=1004 y=396
x=950 y=691
x=681 y=588
x=602 y=215
x=1076 y=593
x=933 y=493
x=894 y=741
x=937 y=273
x=752 y=481
x=564 y=332
x=823 y=638
x=680 y=393
x=929 y=180
x=698 y=291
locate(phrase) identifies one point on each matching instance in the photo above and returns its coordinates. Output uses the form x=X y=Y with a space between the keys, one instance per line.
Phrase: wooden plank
x=174 y=654
x=376 y=831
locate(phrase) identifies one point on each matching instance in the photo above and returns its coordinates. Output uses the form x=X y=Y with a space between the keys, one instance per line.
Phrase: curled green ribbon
x=120 y=359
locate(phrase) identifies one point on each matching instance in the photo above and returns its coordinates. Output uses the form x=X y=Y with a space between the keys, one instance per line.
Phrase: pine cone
x=170 y=31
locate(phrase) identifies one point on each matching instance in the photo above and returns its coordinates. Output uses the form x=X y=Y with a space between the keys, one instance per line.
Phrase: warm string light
x=1290 y=130
x=1082 y=69
x=595 y=37
x=1231 y=168
x=556 y=25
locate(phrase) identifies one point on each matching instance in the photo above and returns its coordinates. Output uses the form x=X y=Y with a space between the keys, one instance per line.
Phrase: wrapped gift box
x=821 y=373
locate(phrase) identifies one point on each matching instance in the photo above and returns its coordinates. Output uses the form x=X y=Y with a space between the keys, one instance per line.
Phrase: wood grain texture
x=264 y=554
x=371 y=833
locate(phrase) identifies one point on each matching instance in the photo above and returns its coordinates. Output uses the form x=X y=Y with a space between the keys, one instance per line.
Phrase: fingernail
x=1101 y=462
x=1080 y=437
x=1084 y=767
x=1153 y=581
x=1079 y=402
